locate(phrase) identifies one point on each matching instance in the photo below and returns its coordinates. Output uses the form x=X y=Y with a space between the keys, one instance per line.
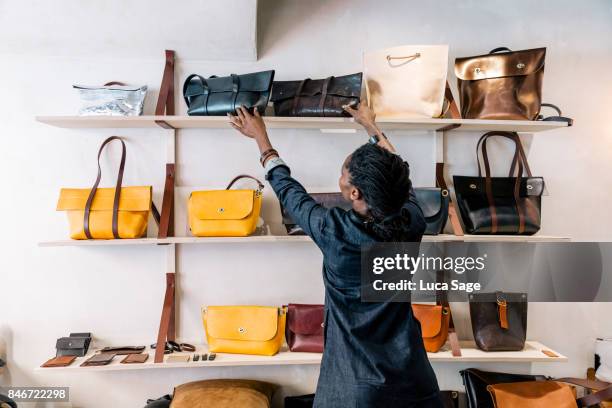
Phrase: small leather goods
x=407 y=81
x=107 y=213
x=500 y=205
x=434 y=203
x=135 y=358
x=61 y=361
x=224 y=394
x=304 y=328
x=503 y=84
x=499 y=320
x=316 y=97
x=77 y=344
x=244 y=329
x=218 y=96
x=123 y=350
x=98 y=360
x=225 y=213
x=476 y=382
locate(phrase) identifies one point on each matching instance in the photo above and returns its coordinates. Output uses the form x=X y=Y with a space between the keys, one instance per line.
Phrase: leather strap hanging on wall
x=92 y=193
x=442 y=300
x=452 y=211
x=453 y=109
x=166 y=227
x=167 y=328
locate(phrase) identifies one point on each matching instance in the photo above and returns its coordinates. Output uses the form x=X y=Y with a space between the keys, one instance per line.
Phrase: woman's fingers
x=256 y=112
x=234 y=120
x=241 y=113
x=349 y=109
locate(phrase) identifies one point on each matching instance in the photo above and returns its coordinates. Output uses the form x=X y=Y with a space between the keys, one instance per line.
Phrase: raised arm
x=367 y=118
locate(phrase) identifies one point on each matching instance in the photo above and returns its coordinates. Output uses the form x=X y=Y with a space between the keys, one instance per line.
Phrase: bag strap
x=500 y=49
x=235 y=90
x=298 y=93
x=452 y=212
x=604 y=390
x=558 y=118
x=111 y=83
x=205 y=89
x=165 y=101
x=241 y=176
x=442 y=300
x=92 y=193
x=451 y=103
x=324 y=90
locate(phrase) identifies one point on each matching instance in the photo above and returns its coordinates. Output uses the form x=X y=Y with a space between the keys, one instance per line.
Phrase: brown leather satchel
x=304 y=328
x=499 y=320
x=505 y=85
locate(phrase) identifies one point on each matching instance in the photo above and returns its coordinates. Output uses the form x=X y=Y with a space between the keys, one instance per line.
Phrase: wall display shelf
x=274 y=122
x=275 y=239
x=531 y=354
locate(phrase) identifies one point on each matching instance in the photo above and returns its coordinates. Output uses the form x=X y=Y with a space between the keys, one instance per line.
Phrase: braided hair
x=383 y=179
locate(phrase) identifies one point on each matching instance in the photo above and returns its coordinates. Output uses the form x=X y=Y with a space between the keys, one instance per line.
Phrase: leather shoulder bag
x=304 y=329
x=218 y=96
x=476 y=382
x=107 y=213
x=499 y=320
x=244 y=329
x=224 y=393
x=500 y=205
x=503 y=84
x=225 y=213
x=316 y=97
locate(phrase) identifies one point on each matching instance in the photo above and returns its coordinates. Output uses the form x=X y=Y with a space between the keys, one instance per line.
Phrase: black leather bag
x=499 y=320
x=433 y=201
x=300 y=401
x=218 y=96
x=316 y=97
x=476 y=381
x=500 y=205
x=453 y=399
x=77 y=344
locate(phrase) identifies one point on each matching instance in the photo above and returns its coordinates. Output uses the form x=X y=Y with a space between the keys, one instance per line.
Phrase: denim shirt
x=374 y=353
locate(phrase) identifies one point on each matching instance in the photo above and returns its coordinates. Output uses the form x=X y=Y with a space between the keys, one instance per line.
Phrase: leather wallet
x=101 y=359
x=121 y=351
x=61 y=361
x=135 y=358
x=77 y=344
x=178 y=358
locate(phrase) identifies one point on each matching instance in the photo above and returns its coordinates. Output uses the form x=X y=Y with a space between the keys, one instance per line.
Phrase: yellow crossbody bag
x=107 y=213
x=225 y=213
x=244 y=329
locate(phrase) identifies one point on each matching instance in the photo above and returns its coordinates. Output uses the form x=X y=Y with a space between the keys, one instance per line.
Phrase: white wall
x=117 y=292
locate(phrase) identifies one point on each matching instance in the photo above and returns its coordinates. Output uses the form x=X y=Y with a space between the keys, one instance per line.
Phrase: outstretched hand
x=364 y=116
x=250 y=125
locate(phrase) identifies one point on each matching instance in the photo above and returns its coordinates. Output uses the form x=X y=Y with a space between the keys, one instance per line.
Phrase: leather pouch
x=98 y=360
x=316 y=97
x=434 y=321
x=499 y=320
x=177 y=358
x=476 y=382
x=136 y=358
x=121 y=351
x=225 y=213
x=75 y=345
x=218 y=96
x=304 y=329
x=61 y=361
x=244 y=329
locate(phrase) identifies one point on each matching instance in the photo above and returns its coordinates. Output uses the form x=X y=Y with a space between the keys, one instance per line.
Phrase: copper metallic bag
x=503 y=84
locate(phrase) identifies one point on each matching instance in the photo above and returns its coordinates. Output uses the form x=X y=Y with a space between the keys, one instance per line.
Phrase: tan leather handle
x=92 y=193
x=241 y=176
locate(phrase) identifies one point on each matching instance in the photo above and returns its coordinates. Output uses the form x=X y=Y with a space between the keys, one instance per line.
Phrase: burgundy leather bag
x=304 y=328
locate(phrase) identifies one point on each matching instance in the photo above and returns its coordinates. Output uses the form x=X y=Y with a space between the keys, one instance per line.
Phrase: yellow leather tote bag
x=225 y=213
x=107 y=213
x=244 y=329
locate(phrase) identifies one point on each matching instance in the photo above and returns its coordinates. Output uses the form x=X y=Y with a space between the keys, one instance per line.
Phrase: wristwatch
x=374 y=139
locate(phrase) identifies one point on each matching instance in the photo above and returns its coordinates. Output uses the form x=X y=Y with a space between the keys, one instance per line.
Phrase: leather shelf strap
x=442 y=300
x=165 y=219
x=167 y=322
x=296 y=98
x=92 y=193
x=165 y=101
x=241 y=176
x=324 y=90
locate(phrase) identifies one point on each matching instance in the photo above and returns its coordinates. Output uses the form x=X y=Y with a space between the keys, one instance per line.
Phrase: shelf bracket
x=167 y=324
x=165 y=101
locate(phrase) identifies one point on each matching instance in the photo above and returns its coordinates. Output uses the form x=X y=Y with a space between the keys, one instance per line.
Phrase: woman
x=374 y=354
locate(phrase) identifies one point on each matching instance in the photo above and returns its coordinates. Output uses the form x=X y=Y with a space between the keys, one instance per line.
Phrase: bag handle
x=324 y=90
x=92 y=193
x=111 y=83
x=604 y=390
x=235 y=90
x=260 y=185
x=442 y=300
x=297 y=95
x=500 y=49
x=205 y=89
x=558 y=118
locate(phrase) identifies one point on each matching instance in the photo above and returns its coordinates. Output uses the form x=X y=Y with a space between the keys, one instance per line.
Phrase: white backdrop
x=116 y=292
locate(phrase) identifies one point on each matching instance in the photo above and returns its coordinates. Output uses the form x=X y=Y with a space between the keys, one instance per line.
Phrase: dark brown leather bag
x=506 y=85
x=316 y=97
x=304 y=328
x=499 y=320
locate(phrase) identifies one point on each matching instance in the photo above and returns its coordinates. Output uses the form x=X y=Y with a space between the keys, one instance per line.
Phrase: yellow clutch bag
x=107 y=213
x=244 y=329
x=225 y=213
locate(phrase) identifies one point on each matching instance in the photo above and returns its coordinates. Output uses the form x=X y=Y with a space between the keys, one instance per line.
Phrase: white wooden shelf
x=531 y=354
x=288 y=239
x=275 y=122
